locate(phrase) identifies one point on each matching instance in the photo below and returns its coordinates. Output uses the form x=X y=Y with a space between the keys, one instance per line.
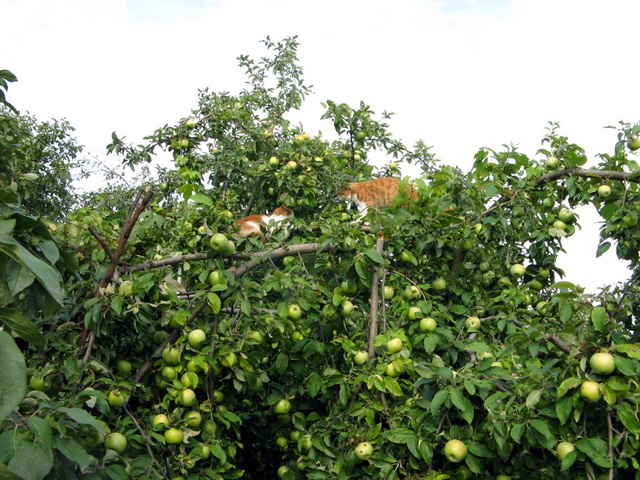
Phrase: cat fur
x=376 y=193
x=253 y=224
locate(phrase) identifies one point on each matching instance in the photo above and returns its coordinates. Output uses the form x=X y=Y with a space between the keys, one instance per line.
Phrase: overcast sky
x=459 y=74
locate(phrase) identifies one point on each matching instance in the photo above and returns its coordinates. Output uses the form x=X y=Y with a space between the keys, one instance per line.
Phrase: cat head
x=344 y=191
x=283 y=211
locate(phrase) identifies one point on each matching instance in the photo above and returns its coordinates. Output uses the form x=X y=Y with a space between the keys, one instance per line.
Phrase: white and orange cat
x=376 y=193
x=255 y=224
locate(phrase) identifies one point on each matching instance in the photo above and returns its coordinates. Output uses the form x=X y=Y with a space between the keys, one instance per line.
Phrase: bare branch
x=588 y=172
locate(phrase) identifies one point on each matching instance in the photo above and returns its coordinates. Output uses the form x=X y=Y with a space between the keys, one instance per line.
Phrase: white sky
x=459 y=74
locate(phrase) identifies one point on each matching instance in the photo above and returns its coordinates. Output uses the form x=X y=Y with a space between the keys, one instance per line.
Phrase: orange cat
x=377 y=193
x=252 y=225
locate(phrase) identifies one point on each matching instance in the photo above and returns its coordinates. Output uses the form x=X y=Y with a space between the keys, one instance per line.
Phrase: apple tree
x=435 y=339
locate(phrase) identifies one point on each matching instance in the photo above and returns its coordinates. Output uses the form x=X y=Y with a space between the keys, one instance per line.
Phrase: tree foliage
x=308 y=353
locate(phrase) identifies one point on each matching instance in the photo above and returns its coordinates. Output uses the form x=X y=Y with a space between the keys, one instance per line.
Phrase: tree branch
x=588 y=172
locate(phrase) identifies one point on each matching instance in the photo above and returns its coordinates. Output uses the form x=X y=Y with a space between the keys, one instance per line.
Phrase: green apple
x=171 y=356
x=282 y=406
x=566 y=215
x=414 y=313
x=602 y=363
x=173 y=436
x=292 y=164
x=116 y=441
x=294 y=311
x=590 y=391
x=168 y=373
x=282 y=442
x=552 y=162
x=187 y=397
x=503 y=477
x=229 y=250
x=363 y=451
x=477 y=228
x=159 y=419
x=282 y=470
x=604 y=190
x=255 y=336
x=116 y=398
x=517 y=270
x=484 y=266
x=428 y=324
x=412 y=292
x=633 y=144
x=124 y=367
x=193 y=419
x=388 y=292
x=548 y=202
x=563 y=449
x=455 y=451
x=218 y=241
x=216 y=277
x=347 y=307
x=439 y=284
x=360 y=357
x=228 y=360
x=473 y=323
x=394 y=345
x=405 y=257
x=393 y=165
x=125 y=288
x=273 y=161
x=391 y=370
x=217 y=396
x=560 y=224
x=196 y=337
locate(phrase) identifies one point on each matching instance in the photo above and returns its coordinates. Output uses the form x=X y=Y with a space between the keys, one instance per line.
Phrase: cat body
x=376 y=193
x=252 y=225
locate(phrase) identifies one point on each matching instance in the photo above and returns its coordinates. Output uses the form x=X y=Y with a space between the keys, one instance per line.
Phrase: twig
x=610 y=432
x=145 y=437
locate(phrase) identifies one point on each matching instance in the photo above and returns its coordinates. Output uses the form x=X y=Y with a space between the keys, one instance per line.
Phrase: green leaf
x=567 y=384
x=564 y=408
x=48 y=277
x=375 y=256
x=83 y=417
x=73 y=451
x=631 y=349
x=438 y=399
x=282 y=362
x=116 y=471
x=516 y=432
x=41 y=428
x=32 y=461
x=218 y=452
x=13 y=375
x=214 y=302
x=602 y=248
x=626 y=366
x=204 y=199
x=21 y=326
x=599 y=318
x=50 y=250
x=543 y=427
x=5 y=474
x=400 y=435
x=629 y=417
x=392 y=386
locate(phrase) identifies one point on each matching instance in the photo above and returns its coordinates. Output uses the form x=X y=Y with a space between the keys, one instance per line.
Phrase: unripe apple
x=196 y=337
x=218 y=242
x=552 y=162
x=563 y=449
x=389 y=292
x=439 y=284
x=455 y=451
x=282 y=406
x=294 y=311
x=394 y=345
x=566 y=215
x=517 y=270
x=161 y=418
x=364 y=451
x=473 y=323
x=125 y=288
x=347 y=307
x=360 y=357
x=590 y=391
x=602 y=363
x=187 y=397
x=428 y=324
x=604 y=190
x=414 y=313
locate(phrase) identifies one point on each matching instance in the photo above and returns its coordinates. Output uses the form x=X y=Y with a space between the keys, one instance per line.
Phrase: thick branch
x=375 y=288
x=588 y=172
x=279 y=253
